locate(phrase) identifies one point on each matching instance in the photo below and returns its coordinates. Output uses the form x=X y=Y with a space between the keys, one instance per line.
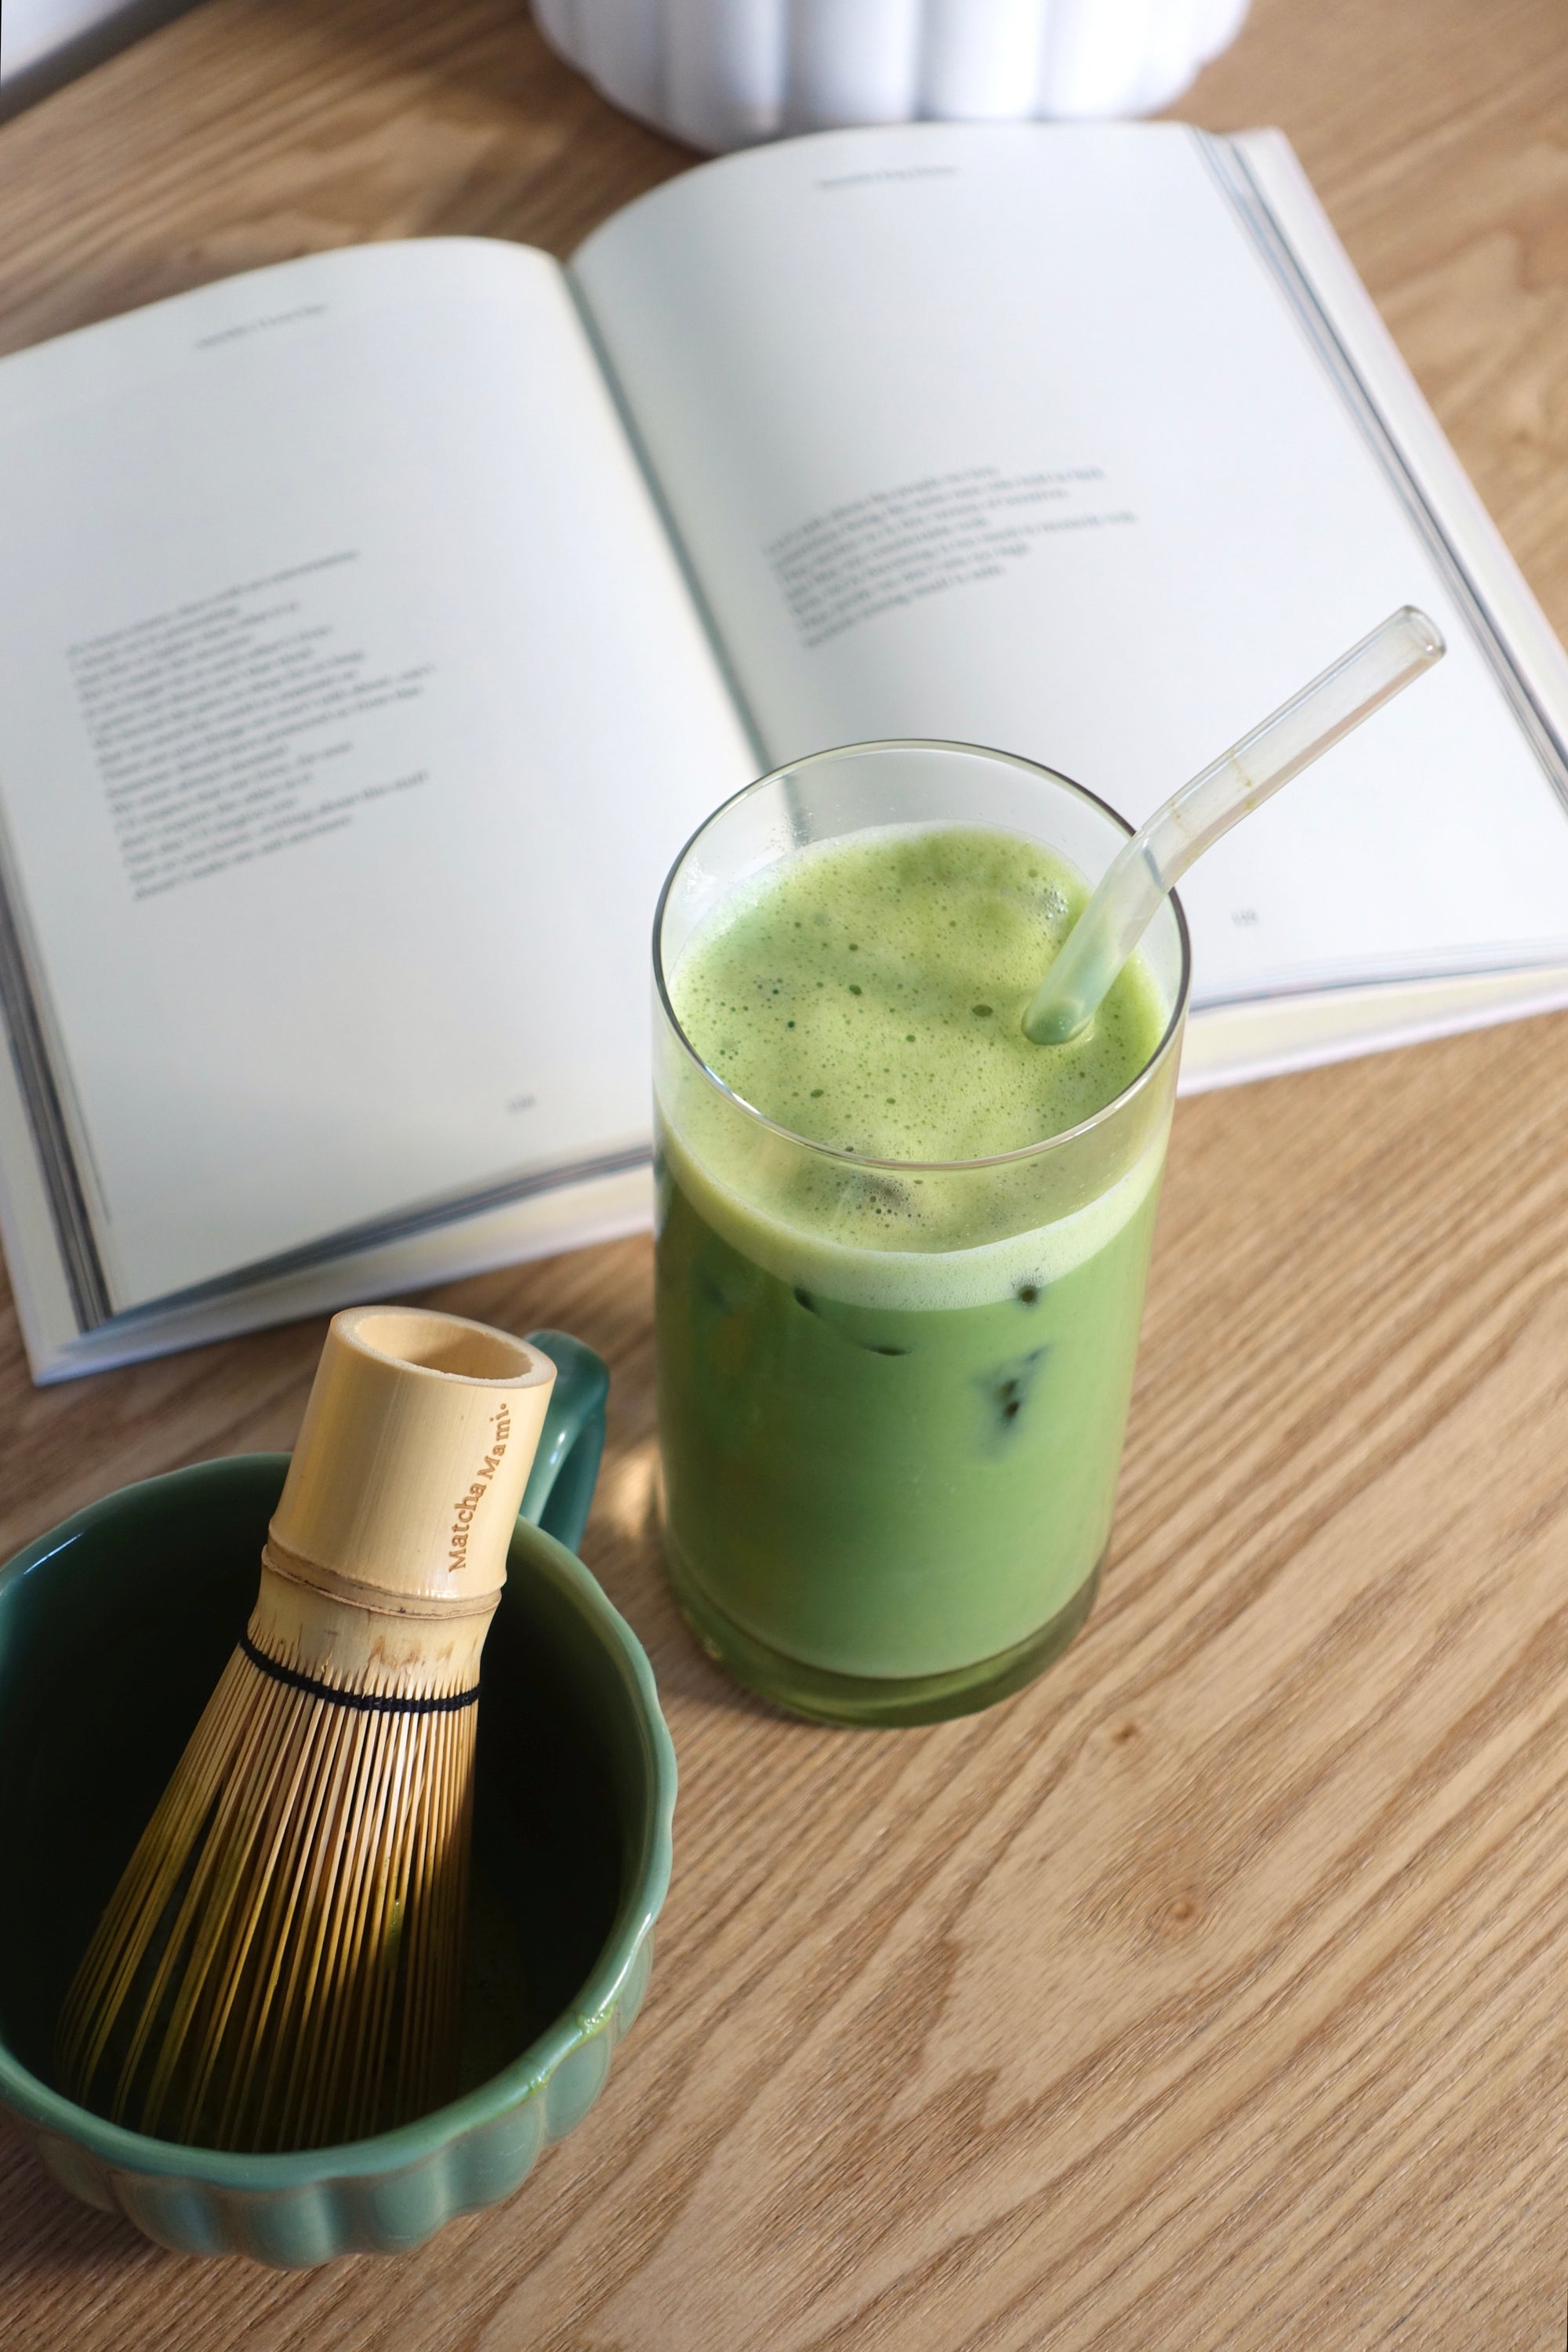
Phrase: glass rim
x=833 y=1151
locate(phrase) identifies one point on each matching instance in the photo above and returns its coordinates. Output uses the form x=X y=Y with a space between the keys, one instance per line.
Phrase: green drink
x=901 y=1253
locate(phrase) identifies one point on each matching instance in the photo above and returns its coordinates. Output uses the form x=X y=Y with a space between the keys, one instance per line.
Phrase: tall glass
x=889 y=1471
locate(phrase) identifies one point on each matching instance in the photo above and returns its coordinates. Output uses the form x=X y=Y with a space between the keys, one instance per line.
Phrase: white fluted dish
x=726 y=73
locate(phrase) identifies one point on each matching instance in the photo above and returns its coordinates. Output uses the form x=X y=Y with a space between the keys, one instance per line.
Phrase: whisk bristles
x=280 y=1964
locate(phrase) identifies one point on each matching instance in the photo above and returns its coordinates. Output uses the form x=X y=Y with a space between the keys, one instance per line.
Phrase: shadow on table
x=47 y=2233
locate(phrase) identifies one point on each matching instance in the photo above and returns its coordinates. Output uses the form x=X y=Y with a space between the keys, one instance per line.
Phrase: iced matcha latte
x=902 y=1251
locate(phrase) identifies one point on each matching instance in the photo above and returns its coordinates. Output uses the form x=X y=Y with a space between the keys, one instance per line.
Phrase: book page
x=1005 y=435
x=351 y=709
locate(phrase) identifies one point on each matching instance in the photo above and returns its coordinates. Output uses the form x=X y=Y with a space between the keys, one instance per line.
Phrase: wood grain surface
x=1211 y=1994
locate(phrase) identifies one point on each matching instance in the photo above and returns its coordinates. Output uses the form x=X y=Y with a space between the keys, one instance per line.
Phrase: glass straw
x=1239 y=781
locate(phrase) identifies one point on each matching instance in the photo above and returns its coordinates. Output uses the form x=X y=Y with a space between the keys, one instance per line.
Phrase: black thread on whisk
x=361 y=1701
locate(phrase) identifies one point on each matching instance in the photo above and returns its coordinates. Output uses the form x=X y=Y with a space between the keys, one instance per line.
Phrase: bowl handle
x=560 y=1482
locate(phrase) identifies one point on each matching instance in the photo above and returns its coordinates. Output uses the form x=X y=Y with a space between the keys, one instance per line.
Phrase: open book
x=374 y=627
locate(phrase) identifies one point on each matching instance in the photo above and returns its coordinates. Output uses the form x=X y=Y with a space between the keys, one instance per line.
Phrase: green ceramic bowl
x=114 y=1629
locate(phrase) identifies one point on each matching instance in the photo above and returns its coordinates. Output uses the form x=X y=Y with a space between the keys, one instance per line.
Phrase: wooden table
x=1212 y=1993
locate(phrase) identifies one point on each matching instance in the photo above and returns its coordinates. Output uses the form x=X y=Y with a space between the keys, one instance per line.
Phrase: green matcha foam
x=869 y=995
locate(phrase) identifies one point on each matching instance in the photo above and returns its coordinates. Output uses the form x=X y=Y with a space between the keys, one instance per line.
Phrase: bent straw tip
x=1054 y=1024
x=1426 y=638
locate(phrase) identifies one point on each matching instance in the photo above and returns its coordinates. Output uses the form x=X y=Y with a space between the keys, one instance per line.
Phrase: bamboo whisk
x=280 y=1965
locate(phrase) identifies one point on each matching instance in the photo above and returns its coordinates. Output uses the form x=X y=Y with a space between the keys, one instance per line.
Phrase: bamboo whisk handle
x=408 y=1475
